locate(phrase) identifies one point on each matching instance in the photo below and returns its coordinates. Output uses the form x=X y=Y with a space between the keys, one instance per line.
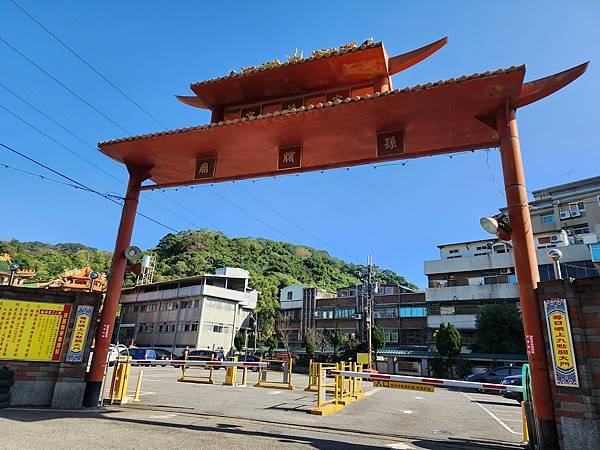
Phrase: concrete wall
x=483 y=292
x=577 y=409
x=296 y=294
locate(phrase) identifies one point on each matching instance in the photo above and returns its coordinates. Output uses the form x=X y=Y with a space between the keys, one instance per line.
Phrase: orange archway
x=338 y=108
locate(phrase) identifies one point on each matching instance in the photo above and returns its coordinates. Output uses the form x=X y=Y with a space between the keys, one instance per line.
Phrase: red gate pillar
x=527 y=273
x=137 y=174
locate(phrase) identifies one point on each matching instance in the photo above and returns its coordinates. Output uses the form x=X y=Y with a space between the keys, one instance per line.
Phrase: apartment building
x=470 y=274
x=401 y=311
x=197 y=312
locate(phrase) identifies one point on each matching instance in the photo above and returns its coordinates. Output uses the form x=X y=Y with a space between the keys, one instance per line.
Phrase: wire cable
x=266 y=205
x=111 y=198
x=84 y=61
x=40 y=68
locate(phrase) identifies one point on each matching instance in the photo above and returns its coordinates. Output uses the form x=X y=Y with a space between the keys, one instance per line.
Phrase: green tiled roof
x=4 y=266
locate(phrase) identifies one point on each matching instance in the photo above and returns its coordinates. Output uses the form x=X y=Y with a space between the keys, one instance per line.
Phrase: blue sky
x=152 y=50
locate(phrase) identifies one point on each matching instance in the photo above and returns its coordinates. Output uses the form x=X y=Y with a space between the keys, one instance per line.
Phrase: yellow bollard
x=138 y=387
x=230 y=374
x=120 y=382
x=524 y=419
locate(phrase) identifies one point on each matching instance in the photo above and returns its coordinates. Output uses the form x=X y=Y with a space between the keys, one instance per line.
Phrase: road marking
x=406 y=411
x=400 y=446
x=418 y=398
x=166 y=416
x=491 y=414
x=275 y=392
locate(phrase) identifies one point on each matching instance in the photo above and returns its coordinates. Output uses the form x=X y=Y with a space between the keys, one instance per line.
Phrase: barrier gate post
x=324 y=405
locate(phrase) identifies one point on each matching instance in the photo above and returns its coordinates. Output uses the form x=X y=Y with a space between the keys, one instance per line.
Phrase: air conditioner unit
x=556 y=239
x=564 y=215
x=575 y=213
x=506 y=270
x=358 y=316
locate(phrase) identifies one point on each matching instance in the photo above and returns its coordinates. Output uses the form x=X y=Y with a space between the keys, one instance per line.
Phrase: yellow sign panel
x=561 y=345
x=403 y=385
x=32 y=331
x=81 y=325
x=362 y=358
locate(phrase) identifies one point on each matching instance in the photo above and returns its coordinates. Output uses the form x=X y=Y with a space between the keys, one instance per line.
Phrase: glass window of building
x=548 y=218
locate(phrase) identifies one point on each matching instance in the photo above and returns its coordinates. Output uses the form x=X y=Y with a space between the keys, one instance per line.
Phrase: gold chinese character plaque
x=390 y=143
x=290 y=157
x=205 y=168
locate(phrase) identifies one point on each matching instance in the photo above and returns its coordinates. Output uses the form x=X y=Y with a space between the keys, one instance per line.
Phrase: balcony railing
x=473 y=281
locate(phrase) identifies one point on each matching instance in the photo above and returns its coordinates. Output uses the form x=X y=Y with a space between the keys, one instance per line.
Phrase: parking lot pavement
x=443 y=416
x=129 y=428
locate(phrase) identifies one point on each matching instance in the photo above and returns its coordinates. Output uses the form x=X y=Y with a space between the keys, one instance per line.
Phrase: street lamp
x=93 y=276
x=498 y=225
x=554 y=255
x=13 y=269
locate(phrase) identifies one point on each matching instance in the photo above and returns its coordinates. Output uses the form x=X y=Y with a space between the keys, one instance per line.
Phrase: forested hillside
x=271 y=264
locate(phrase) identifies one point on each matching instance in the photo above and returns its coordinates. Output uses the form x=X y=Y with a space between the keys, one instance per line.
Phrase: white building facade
x=202 y=312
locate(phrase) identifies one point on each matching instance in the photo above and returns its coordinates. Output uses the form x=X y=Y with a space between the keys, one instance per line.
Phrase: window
x=599 y=200
x=581 y=229
x=547 y=218
x=161 y=327
x=577 y=207
x=195 y=303
x=500 y=248
x=344 y=313
x=217 y=328
x=388 y=312
x=391 y=336
x=194 y=326
x=455 y=250
x=447 y=310
x=344 y=293
x=289 y=295
x=140 y=327
x=185 y=304
x=413 y=311
x=151 y=307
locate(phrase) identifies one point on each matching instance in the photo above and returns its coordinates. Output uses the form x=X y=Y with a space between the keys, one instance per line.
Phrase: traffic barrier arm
x=429 y=381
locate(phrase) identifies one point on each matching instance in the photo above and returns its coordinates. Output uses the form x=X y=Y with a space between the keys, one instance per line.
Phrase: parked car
x=206 y=355
x=250 y=358
x=138 y=354
x=163 y=355
x=113 y=353
x=513 y=380
x=495 y=375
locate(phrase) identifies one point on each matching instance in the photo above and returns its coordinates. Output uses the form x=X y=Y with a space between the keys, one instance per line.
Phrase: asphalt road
x=445 y=416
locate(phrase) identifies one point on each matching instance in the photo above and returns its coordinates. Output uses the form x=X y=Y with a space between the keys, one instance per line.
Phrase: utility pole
x=370 y=307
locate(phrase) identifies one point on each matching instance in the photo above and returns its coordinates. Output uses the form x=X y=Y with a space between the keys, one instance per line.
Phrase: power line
x=248 y=213
x=265 y=204
x=47 y=136
x=43 y=177
x=40 y=68
x=76 y=153
x=80 y=58
x=111 y=198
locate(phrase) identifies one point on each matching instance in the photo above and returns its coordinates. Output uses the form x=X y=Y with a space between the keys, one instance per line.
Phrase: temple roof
x=350 y=64
x=427 y=119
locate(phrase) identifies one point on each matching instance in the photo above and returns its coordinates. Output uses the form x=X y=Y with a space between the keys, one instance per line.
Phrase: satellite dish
x=133 y=253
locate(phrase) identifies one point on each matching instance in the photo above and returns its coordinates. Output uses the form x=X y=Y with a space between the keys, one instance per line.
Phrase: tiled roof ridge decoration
x=292 y=60
x=418 y=87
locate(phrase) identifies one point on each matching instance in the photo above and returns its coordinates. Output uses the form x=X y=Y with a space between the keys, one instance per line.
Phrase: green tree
x=499 y=330
x=240 y=340
x=337 y=339
x=377 y=338
x=448 y=343
x=310 y=343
